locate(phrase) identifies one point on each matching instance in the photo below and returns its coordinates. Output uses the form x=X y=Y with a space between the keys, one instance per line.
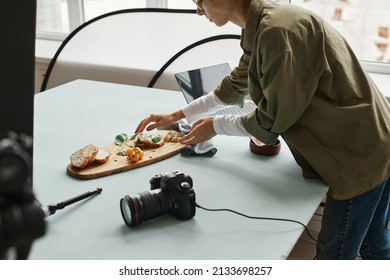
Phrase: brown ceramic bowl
x=262 y=149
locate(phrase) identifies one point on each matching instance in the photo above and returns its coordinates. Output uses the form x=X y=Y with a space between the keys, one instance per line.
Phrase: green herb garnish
x=156 y=138
x=121 y=138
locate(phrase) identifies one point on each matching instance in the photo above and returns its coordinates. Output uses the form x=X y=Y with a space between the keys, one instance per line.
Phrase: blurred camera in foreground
x=21 y=217
x=171 y=193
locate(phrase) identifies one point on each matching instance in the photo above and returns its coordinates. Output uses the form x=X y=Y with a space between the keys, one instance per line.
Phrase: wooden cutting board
x=117 y=164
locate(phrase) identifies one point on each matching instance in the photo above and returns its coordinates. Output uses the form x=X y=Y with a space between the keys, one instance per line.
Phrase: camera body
x=179 y=188
x=171 y=193
x=21 y=217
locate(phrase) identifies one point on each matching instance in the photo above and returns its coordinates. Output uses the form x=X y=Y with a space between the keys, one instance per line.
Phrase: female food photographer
x=311 y=90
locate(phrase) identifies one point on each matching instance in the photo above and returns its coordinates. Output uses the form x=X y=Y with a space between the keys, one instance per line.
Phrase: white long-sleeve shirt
x=223 y=124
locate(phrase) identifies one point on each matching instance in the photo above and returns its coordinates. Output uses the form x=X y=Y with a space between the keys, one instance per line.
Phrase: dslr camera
x=21 y=217
x=171 y=193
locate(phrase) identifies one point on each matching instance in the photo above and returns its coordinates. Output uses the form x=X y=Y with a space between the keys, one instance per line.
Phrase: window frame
x=76 y=10
x=76 y=18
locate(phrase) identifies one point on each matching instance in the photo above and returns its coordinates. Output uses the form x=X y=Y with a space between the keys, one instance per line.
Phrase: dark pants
x=357 y=225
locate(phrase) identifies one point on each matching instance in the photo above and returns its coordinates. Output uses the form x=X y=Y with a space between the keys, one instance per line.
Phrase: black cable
x=262 y=218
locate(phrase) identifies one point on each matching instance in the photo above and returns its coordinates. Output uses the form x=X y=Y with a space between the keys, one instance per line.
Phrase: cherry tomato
x=139 y=152
x=129 y=151
x=134 y=157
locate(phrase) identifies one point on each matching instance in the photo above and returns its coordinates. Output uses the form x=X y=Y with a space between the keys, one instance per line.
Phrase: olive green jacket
x=311 y=89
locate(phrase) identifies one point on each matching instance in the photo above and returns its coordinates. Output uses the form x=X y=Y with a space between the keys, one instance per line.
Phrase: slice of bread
x=85 y=156
x=173 y=136
x=92 y=151
x=145 y=140
x=79 y=158
x=102 y=156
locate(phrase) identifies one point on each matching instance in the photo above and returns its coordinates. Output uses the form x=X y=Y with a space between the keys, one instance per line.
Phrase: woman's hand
x=158 y=120
x=202 y=130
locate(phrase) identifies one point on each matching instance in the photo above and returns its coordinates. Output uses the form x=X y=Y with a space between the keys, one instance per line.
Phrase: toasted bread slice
x=91 y=151
x=85 y=156
x=79 y=158
x=145 y=140
x=173 y=136
x=102 y=156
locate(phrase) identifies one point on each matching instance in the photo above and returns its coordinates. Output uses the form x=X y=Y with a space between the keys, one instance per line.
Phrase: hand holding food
x=202 y=130
x=159 y=120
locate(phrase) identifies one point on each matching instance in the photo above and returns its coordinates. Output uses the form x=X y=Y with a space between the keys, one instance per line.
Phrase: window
x=94 y=8
x=181 y=4
x=57 y=18
x=52 y=17
x=364 y=23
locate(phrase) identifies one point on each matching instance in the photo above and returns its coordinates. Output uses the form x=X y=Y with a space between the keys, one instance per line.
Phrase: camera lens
x=14 y=171
x=125 y=209
x=144 y=206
